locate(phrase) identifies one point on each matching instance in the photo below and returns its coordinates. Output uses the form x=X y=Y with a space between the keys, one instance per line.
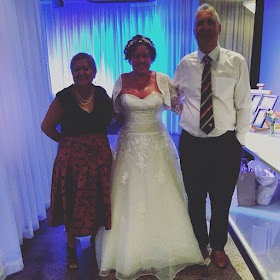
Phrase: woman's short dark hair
x=136 y=41
x=85 y=56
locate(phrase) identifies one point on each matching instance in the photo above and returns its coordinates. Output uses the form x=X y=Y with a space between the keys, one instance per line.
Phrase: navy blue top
x=76 y=121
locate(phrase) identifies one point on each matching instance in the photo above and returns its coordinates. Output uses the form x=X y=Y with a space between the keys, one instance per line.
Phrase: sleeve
x=116 y=91
x=177 y=78
x=170 y=97
x=118 y=119
x=176 y=102
x=60 y=96
x=162 y=83
x=63 y=97
x=242 y=101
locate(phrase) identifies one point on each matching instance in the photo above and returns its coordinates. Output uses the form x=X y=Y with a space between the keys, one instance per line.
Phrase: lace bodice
x=143 y=115
x=169 y=95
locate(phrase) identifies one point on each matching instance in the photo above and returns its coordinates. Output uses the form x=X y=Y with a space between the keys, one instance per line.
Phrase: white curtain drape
x=103 y=31
x=26 y=156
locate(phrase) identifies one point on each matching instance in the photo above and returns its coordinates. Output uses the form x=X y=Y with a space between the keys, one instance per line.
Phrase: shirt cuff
x=241 y=138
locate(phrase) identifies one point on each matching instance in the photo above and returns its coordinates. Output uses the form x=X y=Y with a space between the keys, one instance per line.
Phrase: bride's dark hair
x=138 y=40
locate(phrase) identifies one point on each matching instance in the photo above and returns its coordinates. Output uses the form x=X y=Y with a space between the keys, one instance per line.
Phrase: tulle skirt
x=151 y=229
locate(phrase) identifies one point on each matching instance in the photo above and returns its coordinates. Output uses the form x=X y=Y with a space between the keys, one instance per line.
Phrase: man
x=216 y=116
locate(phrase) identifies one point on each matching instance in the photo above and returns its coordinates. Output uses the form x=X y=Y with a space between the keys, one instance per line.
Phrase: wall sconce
x=250 y=5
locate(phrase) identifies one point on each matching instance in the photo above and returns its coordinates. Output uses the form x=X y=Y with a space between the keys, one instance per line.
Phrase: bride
x=151 y=230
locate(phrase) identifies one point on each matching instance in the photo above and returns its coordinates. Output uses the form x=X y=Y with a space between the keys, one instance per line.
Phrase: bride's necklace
x=144 y=83
x=84 y=101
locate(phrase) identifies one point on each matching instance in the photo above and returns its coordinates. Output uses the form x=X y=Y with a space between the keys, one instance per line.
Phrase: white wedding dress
x=151 y=229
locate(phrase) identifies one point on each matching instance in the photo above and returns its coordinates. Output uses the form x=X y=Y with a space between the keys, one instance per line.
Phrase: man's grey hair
x=207 y=7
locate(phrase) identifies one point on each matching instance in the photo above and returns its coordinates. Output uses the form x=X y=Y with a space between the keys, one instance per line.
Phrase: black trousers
x=210 y=166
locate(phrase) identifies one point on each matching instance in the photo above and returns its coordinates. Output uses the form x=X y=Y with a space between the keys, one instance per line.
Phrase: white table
x=265 y=148
x=258 y=227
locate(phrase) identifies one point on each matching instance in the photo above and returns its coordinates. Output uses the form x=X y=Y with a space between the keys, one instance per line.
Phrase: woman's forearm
x=52 y=119
x=53 y=133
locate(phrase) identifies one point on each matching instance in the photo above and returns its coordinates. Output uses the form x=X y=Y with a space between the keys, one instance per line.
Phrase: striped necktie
x=206 y=106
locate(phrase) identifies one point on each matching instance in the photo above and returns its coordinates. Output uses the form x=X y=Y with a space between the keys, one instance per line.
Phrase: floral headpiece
x=138 y=41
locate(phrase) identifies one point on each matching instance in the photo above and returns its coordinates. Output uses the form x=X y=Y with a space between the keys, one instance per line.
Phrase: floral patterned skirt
x=80 y=194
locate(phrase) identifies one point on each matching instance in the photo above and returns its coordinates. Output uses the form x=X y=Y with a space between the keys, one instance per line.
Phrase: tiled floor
x=44 y=259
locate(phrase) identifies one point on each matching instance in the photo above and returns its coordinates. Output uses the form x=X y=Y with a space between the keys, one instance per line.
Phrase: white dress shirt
x=231 y=92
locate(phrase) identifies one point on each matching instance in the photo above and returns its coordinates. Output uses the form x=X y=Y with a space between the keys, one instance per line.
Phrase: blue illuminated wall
x=270 y=56
x=103 y=30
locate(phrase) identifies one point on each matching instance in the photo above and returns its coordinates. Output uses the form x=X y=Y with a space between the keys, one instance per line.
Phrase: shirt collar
x=213 y=54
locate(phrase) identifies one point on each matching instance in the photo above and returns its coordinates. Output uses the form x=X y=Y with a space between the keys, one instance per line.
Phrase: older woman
x=80 y=196
x=151 y=229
